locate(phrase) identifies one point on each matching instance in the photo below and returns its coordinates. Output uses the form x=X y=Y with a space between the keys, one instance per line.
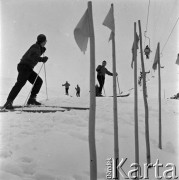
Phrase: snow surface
x=54 y=146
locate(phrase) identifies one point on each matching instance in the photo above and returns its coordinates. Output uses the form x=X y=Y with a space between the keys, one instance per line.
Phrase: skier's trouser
x=66 y=90
x=101 y=80
x=147 y=55
x=25 y=73
x=78 y=93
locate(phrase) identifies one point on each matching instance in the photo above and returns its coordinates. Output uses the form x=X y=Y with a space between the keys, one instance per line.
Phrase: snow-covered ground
x=54 y=146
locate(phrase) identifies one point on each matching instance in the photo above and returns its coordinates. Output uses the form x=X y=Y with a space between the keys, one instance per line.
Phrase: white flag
x=177 y=61
x=82 y=32
x=156 y=60
x=109 y=20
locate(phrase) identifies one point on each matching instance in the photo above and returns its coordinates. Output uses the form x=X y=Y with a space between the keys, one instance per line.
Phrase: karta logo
x=113 y=170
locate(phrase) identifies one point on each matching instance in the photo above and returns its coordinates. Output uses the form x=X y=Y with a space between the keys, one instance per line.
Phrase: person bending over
x=26 y=73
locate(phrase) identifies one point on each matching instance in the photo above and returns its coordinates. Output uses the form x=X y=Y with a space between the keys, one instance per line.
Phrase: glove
x=44 y=59
x=43 y=49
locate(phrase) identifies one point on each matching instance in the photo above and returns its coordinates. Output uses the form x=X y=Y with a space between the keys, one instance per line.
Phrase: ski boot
x=8 y=105
x=32 y=101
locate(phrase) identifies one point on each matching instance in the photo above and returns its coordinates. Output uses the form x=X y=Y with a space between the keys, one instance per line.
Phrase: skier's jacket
x=147 y=50
x=102 y=71
x=67 y=85
x=77 y=89
x=32 y=56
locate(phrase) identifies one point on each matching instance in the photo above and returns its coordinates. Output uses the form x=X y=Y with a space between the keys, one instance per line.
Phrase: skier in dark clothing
x=101 y=71
x=77 y=91
x=147 y=51
x=26 y=73
x=67 y=85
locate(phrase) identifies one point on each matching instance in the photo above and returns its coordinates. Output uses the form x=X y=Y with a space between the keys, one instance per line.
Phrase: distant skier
x=26 y=72
x=101 y=71
x=77 y=91
x=147 y=51
x=175 y=96
x=67 y=85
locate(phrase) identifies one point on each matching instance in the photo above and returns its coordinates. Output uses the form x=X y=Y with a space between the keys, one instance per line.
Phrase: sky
x=23 y=20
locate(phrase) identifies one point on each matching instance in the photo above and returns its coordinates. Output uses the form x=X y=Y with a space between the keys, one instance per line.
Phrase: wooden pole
x=92 y=112
x=136 y=102
x=159 y=99
x=116 y=146
x=145 y=98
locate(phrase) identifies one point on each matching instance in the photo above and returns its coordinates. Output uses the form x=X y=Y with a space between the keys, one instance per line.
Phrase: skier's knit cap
x=41 y=38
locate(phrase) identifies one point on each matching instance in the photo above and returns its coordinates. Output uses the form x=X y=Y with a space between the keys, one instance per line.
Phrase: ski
x=33 y=110
x=53 y=106
x=4 y=110
x=124 y=95
x=41 y=110
x=37 y=108
x=20 y=106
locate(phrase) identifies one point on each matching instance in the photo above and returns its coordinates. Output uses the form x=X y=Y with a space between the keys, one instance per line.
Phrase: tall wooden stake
x=116 y=146
x=145 y=98
x=92 y=113
x=136 y=101
x=159 y=99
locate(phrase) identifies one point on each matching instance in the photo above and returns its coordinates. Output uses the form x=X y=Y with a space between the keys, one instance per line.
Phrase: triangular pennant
x=156 y=60
x=109 y=20
x=137 y=41
x=82 y=32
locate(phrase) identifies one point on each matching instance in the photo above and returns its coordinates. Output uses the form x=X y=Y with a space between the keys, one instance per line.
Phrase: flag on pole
x=137 y=40
x=156 y=60
x=109 y=21
x=82 y=32
x=177 y=61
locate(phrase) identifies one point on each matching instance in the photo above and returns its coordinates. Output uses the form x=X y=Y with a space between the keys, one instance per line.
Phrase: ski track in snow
x=54 y=146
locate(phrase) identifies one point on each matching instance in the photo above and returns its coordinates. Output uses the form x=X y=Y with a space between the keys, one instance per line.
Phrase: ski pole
x=31 y=89
x=104 y=91
x=45 y=81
